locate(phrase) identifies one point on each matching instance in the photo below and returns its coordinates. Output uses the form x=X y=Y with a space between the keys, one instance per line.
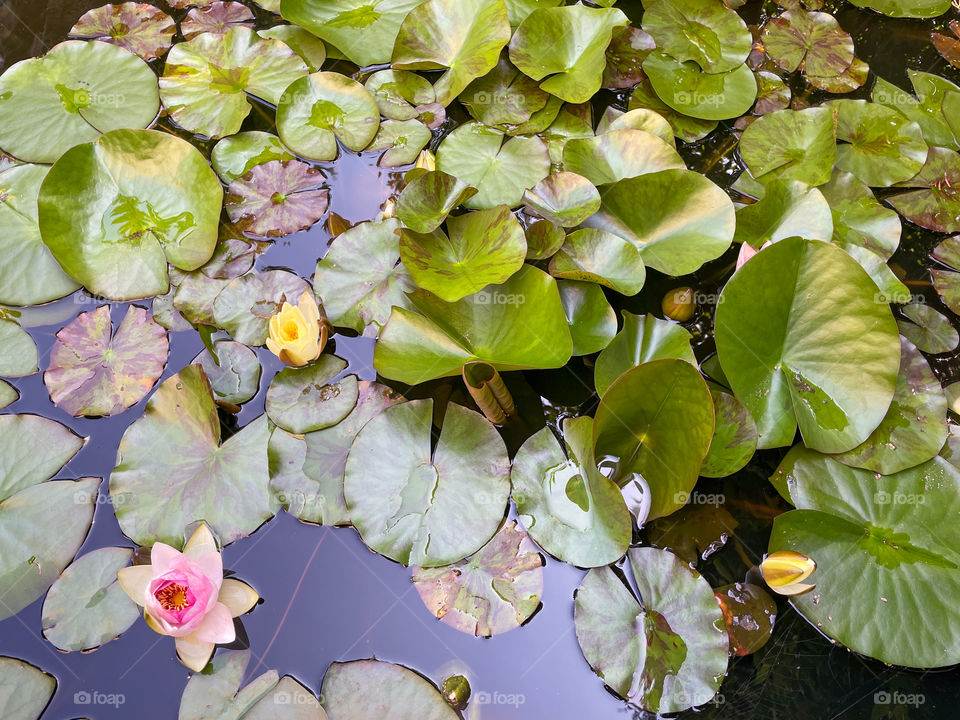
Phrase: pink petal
x=217 y=626
x=212 y=566
x=164 y=558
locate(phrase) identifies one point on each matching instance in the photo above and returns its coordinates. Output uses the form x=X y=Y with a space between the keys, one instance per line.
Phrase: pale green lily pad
x=570 y=509
x=306 y=473
x=859 y=220
x=926 y=111
x=97 y=372
x=519 y=324
x=70 y=96
x=238 y=154
x=688 y=129
x=464 y=37
x=591 y=318
x=928 y=329
x=245 y=305
x=600 y=257
x=504 y=96
x=619 y=154
x=564 y=47
x=361 y=278
x=642 y=339
x=195 y=296
x=29 y=275
x=308 y=46
x=402 y=140
x=906 y=8
x=428 y=198
x=665 y=652
x=402 y=693
x=114 y=212
x=22 y=464
x=689 y=90
x=791 y=145
x=288 y=700
x=812 y=42
x=637 y=422
x=778 y=316
x=496 y=590
x=86 y=607
x=217 y=17
x=947 y=282
x=237 y=378
x=501 y=169
x=399 y=92
x=788 y=208
x=424 y=507
x=564 y=198
x=277 y=198
x=703 y=31
x=734 y=437
x=483 y=247
x=886 y=541
x=8 y=394
x=18 y=352
x=320 y=109
x=25 y=690
x=678 y=218
x=936 y=206
x=302 y=400
x=173 y=471
x=206 y=80
x=216 y=695
x=142 y=29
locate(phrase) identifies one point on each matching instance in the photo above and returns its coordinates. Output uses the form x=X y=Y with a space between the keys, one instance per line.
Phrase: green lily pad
x=306 y=473
x=772 y=93
x=302 y=400
x=792 y=145
x=18 y=352
x=245 y=305
x=591 y=318
x=928 y=114
x=544 y=238
x=705 y=32
x=402 y=139
x=501 y=169
x=859 y=220
x=665 y=654
x=206 y=80
x=217 y=17
x=277 y=198
x=516 y=325
x=788 y=208
x=236 y=379
x=34 y=449
x=25 y=690
x=812 y=42
x=906 y=8
x=619 y=154
x=195 y=296
x=424 y=507
x=235 y=156
x=793 y=304
x=217 y=693
x=642 y=339
x=600 y=257
x=288 y=700
x=734 y=437
x=464 y=37
x=318 y=110
x=399 y=92
x=86 y=607
x=686 y=128
x=8 y=394
x=483 y=247
x=637 y=422
x=504 y=96
x=363 y=30
x=678 y=218
x=936 y=206
x=427 y=199
x=96 y=372
x=361 y=278
x=173 y=471
x=308 y=46
x=564 y=198
x=570 y=509
x=886 y=543
x=928 y=329
x=626 y=52
x=565 y=48
x=115 y=211
x=28 y=275
x=947 y=282
x=689 y=90
x=496 y=590
x=140 y=28
x=405 y=695
x=70 y=96
x=638 y=119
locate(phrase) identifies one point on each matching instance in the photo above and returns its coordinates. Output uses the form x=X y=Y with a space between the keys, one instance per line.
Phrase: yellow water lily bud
x=426 y=161
x=388 y=209
x=679 y=304
x=296 y=334
x=784 y=572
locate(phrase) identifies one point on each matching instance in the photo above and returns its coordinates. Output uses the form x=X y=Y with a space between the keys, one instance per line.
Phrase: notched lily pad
x=217 y=17
x=142 y=29
x=600 y=257
x=18 y=352
x=245 y=305
x=303 y=400
x=402 y=140
x=236 y=379
x=277 y=198
x=398 y=93
x=428 y=198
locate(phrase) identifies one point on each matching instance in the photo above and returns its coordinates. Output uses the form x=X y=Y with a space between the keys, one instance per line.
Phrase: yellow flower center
x=290 y=330
x=172 y=597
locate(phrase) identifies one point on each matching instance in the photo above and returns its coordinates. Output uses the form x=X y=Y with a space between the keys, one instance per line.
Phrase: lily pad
x=25 y=690
x=689 y=90
x=544 y=238
x=504 y=96
x=399 y=92
x=302 y=400
x=564 y=198
x=70 y=96
x=600 y=257
x=236 y=379
x=402 y=139
x=928 y=329
x=86 y=607
x=172 y=469
x=308 y=46
x=320 y=109
x=483 y=247
x=420 y=506
x=703 y=31
x=33 y=451
x=792 y=145
x=217 y=693
x=788 y=208
x=812 y=42
x=288 y=700
x=591 y=318
x=518 y=324
x=96 y=372
x=114 y=212
x=619 y=154
x=570 y=509
x=235 y=156
x=18 y=352
x=428 y=198
x=626 y=52
x=361 y=278
x=8 y=394
x=928 y=114
x=637 y=422
x=936 y=205
x=686 y=128
x=217 y=17
x=206 y=80
x=906 y=8
x=464 y=37
x=140 y=28
x=496 y=590
x=859 y=220
x=638 y=119
x=565 y=48
x=788 y=307
x=734 y=437
x=665 y=654
x=245 y=305
x=501 y=169
x=402 y=693
x=891 y=538
x=277 y=198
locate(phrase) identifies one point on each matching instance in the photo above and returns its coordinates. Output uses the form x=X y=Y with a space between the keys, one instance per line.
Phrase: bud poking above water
x=679 y=304
x=784 y=572
x=296 y=334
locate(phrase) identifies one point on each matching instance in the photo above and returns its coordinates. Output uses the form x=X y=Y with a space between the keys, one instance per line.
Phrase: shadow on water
x=327 y=597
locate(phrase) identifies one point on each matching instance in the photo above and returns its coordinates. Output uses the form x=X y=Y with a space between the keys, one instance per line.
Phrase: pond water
x=326 y=597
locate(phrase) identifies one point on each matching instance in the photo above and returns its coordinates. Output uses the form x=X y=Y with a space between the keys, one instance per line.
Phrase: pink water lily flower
x=184 y=595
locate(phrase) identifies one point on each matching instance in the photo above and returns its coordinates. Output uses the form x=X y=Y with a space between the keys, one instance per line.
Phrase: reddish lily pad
x=216 y=17
x=626 y=52
x=936 y=204
x=277 y=198
x=813 y=42
x=142 y=29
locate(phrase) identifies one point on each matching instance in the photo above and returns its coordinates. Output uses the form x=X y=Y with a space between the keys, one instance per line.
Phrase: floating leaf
x=302 y=400
x=592 y=321
x=34 y=450
x=947 y=282
x=70 y=96
x=600 y=257
x=308 y=46
x=929 y=330
x=619 y=154
x=926 y=110
x=626 y=52
x=690 y=91
x=906 y=8
x=236 y=379
x=564 y=198
x=399 y=92
x=18 y=352
x=8 y=394
x=665 y=655
x=217 y=17
x=544 y=238
x=734 y=437
x=772 y=94
x=217 y=693
x=288 y=700
x=504 y=96
x=195 y=297
x=778 y=316
x=703 y=31
x=812 y=42
x=206 y=80
x=347 y=692
x=96 y=372
x=277 y=198
x=686 y=128
x=115 y=211
x=86 y=607
x=140 y=28
x=423 y=507
x=859 y=220
x=937 y=205
x=25 y=690
x=791 y=145
x=402 y=140
x=638 y=119
x=172 y=470
x=235 y=156
x=788 y=208
x=496 y=590
x=245 y=305
x=428 y=198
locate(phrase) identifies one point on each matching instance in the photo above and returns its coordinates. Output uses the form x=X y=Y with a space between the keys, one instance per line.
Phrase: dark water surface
x=328 y=598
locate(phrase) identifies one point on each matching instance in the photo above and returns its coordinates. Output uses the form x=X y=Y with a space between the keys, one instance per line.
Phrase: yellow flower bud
x=784 y=572
x=296 y=334
x=679 y=304
x=426 y=161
